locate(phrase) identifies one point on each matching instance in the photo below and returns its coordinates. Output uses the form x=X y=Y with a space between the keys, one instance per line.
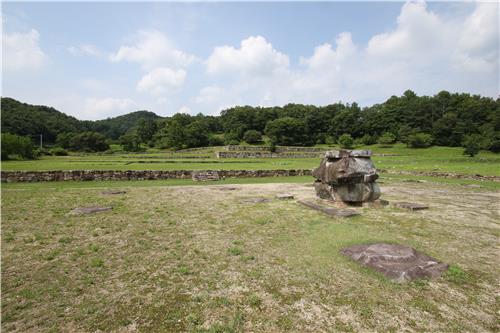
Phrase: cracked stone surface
x=399 y=263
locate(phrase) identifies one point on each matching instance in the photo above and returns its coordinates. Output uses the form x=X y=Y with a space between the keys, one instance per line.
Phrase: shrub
x=419 y=140
x=231 y=138
x=472 y=144
x=252 y=136
x=89 y=142
x=16 y=145
x=345 y=141
x=214 y=140
x=330 y=140
x=58 y=151
x=387 y=139
x=495 y=146
x=368 y=139
x=131 y=142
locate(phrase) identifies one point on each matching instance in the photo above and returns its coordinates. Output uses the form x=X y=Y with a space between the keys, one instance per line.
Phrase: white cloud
x=100 y=108
x=426 y=52
x=209 y=94
x=184 y=109
x=21 y=51
x=152 y=49
x=162 y=80
x=85 y=49
x=255 y=57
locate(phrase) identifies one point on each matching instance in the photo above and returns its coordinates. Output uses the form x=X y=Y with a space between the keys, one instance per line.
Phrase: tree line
x=445 y=119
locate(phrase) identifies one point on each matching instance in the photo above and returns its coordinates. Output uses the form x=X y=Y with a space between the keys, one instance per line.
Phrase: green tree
x=419 y=140
x=146 y=128
x=89 y=142
x=131 y=142
x=346 y=141
x=387 y=139
x=16 y=145
x=472 y=144
x=287 y=131
x=252 y=136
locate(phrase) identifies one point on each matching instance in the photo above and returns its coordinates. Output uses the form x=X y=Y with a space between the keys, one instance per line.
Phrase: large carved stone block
x=347 y=175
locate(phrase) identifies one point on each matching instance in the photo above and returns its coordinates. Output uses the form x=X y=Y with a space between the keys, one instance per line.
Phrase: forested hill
x=33 y=120
x=30 y=120
x=115 y=127
x=445 y=119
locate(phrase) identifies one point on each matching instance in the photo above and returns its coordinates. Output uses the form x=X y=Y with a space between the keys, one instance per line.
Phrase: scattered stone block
x=256 y=200
x=284 y=196
x=113 y=192
x=89 y=210
x=331 y=211
x=411 y=206
x=226 y=188
x=205 y=175
x=377 y=203
x=398 y=263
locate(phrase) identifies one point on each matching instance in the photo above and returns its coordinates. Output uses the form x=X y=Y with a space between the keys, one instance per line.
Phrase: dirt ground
x=210 y=259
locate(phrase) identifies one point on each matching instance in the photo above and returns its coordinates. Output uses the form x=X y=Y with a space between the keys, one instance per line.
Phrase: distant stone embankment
x=102 y=175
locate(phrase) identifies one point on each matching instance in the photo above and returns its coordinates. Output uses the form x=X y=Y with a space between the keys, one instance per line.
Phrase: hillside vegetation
x=444 y=119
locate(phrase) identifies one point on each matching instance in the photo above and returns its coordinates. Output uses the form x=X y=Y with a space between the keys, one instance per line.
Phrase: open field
x=201 y=259
x=443 y=159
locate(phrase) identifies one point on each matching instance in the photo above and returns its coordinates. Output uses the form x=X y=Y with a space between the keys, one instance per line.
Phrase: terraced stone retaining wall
x=259 y=154
x=79 y=175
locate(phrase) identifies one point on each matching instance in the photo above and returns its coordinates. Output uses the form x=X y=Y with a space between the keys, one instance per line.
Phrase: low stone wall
x=279 y=149
x=258 y=154
x=47 y=176
x=441 y=175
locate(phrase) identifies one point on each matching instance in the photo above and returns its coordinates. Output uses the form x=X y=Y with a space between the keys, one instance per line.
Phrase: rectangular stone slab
x=410 y=205
x=331 y=211
x=284 y=196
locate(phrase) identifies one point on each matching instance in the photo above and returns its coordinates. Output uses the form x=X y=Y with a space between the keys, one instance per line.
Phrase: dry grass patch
x=203 y=260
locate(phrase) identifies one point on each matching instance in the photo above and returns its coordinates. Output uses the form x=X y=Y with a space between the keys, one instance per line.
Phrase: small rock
x=473 y=186
x=410 y=205
x=89 y=210
x=284 y=196
x=225 y=188
x=331 y=211
x=113 y=192
x=256 y=200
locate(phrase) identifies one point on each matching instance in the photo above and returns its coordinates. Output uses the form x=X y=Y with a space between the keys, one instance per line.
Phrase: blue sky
x=96 y=60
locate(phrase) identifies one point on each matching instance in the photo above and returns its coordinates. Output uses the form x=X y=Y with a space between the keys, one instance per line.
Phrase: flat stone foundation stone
x=399 y=263
x=410 y=205
x=331 y=211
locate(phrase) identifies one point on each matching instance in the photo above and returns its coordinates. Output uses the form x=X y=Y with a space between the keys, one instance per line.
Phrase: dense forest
x=446 y=119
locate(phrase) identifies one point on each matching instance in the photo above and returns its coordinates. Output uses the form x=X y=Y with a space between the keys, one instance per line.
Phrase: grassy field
x=444 y=159
x=202 y=259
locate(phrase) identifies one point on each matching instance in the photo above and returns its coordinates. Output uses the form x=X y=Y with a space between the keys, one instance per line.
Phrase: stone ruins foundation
x=347 y=176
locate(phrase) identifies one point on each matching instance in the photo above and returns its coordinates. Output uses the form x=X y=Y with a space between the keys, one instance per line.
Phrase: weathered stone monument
x=347 y=176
